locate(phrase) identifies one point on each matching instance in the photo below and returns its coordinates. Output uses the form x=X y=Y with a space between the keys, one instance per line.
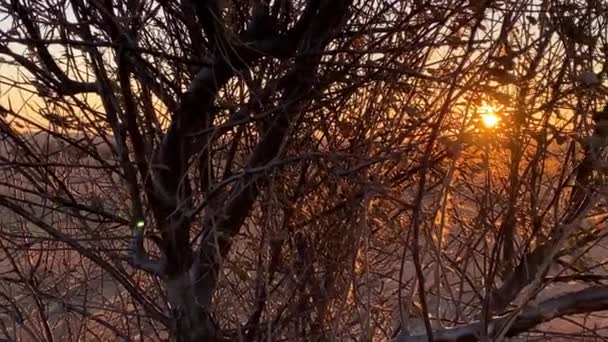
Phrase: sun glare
x=488 y=115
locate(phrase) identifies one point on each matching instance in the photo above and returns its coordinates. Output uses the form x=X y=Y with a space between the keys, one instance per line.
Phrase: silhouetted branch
x=585 y=301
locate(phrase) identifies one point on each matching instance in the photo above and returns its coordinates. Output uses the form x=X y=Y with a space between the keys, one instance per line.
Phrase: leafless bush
x=304 y=170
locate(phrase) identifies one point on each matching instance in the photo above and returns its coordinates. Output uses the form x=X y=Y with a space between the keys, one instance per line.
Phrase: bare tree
x=301 y=169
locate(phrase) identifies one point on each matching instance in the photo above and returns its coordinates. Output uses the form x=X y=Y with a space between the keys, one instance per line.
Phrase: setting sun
x=488 y=115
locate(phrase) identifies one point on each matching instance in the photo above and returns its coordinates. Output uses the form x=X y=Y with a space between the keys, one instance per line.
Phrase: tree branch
x=585 y=301
x=138 y=257
x=535 y=264
x=66 y=85
x=297 y=86
x=88 y=253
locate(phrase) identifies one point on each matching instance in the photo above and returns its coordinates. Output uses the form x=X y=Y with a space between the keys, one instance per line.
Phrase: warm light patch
x=489 y=120
x=488 y=115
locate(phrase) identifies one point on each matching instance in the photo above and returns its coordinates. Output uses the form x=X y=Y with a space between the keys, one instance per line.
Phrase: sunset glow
x=489 y=116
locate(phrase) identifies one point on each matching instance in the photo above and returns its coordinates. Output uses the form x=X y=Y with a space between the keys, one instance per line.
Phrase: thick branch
x=297 y=86
x=589 y=300
x=196 y=113
x=138 y=257
x=209 y=17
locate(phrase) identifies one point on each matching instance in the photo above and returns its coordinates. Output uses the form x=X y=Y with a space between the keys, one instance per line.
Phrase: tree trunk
x=191 y=318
